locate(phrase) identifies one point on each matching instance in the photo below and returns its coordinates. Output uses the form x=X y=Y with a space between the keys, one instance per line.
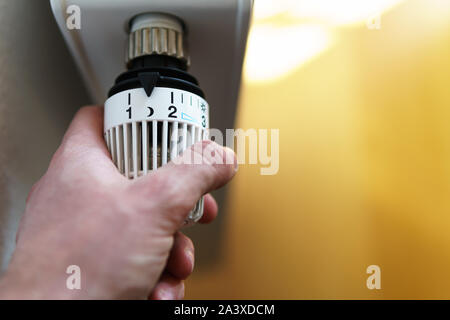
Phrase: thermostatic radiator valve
x=155 y=110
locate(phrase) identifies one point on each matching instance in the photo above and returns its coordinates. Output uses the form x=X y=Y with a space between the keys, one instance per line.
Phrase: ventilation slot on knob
x=139 y=147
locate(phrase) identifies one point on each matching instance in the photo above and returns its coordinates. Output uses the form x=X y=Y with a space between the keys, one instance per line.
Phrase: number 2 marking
x=172 y=114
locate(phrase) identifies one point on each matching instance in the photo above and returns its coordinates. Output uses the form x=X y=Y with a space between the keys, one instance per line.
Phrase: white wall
x=40 y=89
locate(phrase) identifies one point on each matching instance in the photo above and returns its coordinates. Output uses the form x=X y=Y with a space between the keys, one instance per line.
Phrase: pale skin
x=123 y=234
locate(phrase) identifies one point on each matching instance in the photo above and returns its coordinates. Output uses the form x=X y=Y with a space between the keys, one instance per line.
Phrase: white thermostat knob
x=156 y=109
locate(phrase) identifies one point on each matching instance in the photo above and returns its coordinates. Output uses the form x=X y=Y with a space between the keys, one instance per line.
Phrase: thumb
x=177 y=186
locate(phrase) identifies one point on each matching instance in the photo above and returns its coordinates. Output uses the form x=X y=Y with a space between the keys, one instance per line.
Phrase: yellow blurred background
x=360 y=91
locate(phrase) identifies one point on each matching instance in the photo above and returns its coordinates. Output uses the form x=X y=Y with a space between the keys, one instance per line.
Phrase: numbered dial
x=164 y=104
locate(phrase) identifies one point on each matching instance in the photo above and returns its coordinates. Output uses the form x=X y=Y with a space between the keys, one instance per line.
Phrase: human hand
x=123 y=234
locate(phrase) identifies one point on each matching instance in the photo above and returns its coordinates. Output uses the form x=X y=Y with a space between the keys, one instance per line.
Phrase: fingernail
x=165 y=295
x=190 y=255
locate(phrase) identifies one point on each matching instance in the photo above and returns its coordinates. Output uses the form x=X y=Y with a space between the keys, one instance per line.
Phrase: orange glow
x=364 y=175
x=287 y=34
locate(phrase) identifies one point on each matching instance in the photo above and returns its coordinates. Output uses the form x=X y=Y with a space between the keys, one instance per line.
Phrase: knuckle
x=32 y=191
x=65 y=151
x=88 y=109
x=67 y=156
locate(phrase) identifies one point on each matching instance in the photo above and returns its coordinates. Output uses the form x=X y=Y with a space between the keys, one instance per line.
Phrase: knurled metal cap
x=156 y=33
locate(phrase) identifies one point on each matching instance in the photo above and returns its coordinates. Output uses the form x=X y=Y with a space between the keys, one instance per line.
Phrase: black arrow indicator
x=148 y=81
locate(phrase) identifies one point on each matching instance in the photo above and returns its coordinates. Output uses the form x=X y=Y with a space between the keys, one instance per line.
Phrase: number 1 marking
x=129 y=103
